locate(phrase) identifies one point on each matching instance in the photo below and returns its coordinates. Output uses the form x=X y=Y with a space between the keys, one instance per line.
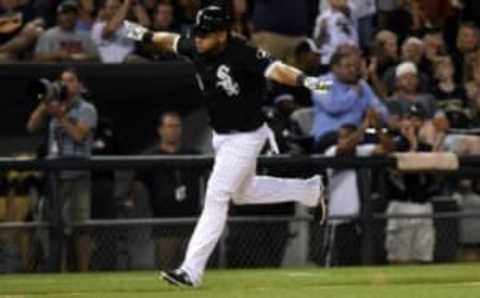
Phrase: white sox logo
x=226 y=82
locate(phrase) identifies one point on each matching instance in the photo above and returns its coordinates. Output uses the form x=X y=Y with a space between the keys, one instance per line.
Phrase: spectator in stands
x=407 y=95
x=241 y=24
x=173 y=192
x=186 y=11
x=386 y=9
x=412 y=50
x=468 y=42
x=279 y=25
x=112 y=45
x=19 y=30
x=451 y=97
x=151 y=5
x=163 y=20
x=347 y=100
x=460 y=106
x=86 y=15
x=410 y=240
x=436 y=123
x=434 y=47
x=71 y=123
x=64 y=42
x=163 y=17
x=365 y=12
x=433 y=13
x=384 y=55
x=399 y=16
x=335 y=26
x=472 y=87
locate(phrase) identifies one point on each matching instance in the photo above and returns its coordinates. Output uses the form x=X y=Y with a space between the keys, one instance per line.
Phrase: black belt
x=223 y=131
x=231 y=131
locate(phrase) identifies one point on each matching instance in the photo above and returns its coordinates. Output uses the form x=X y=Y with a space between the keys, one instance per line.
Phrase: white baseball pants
x=233 y=177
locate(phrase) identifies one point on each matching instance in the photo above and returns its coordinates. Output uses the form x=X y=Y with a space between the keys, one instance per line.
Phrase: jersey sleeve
x=257 y=61
x=184 y=46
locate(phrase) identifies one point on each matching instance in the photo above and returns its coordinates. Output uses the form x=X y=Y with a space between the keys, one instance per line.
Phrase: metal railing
x=249 y=241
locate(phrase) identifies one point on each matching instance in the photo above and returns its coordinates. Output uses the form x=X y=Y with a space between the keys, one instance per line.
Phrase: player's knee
x=218 y=194
x=239 y=199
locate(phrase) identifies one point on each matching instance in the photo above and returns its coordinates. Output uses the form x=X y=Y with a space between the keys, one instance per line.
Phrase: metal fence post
x=364 y=189
x=55 y=209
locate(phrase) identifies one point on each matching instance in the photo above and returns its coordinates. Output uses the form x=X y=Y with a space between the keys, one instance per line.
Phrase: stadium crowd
x=405 y=77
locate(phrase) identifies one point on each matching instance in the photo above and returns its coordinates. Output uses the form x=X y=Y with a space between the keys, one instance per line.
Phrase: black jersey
x=233 y=83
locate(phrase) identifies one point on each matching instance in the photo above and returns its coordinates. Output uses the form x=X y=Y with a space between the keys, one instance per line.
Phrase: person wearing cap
x=410 y=240
x=407 y=93
x=412 y=50
x=232 y=76
x=64 y=42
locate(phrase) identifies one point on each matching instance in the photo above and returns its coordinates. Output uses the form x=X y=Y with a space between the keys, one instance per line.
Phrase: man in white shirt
x=109 y=35
x=335 y=26
x=365 y=11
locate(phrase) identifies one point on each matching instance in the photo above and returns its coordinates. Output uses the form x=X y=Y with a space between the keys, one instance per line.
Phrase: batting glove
x=317 y=85
x=137 y=32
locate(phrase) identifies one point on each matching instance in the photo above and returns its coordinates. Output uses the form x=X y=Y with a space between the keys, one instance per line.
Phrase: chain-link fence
x=288 y=237
x=248 y=242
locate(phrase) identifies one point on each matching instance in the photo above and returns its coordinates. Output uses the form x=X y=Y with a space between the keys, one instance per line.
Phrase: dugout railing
x=248 y=241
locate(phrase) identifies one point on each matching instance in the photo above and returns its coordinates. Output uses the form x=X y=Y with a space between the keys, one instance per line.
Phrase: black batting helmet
x=210 y=19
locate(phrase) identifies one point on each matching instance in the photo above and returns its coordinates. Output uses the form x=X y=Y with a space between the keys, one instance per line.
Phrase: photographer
x=71 y=121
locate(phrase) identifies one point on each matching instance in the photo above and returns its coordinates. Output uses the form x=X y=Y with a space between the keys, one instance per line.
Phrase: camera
x=47 y=91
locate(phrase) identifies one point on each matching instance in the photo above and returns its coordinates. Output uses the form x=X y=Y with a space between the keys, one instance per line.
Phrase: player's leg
x=268 y=190
x=235 y=157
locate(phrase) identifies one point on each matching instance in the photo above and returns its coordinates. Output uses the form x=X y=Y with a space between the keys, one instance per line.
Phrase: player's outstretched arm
x=289 y=75
x=162 y=40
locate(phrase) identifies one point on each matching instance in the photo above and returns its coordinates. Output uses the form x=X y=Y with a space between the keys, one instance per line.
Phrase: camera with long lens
x=47 y=91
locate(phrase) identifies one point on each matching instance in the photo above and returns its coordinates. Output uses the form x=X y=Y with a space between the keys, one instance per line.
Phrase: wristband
x=301 y=80
x=147 y=37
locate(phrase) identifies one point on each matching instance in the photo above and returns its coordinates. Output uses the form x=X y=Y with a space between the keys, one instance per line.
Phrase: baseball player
x=233 y=76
